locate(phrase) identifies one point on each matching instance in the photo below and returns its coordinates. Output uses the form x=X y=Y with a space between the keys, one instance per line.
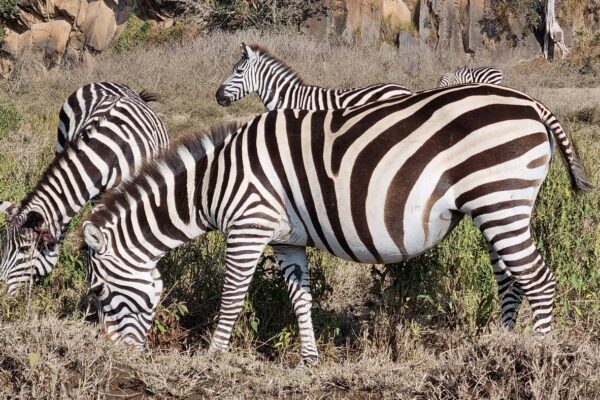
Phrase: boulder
x=99 y=26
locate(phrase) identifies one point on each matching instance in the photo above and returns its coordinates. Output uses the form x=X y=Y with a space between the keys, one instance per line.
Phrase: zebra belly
x=439 y=225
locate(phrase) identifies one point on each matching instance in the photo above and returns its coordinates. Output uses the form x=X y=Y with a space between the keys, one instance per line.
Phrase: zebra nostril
x=222 y=99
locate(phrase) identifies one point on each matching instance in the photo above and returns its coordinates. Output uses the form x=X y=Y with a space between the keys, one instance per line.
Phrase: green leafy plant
x=10 y=119
x=136 y=31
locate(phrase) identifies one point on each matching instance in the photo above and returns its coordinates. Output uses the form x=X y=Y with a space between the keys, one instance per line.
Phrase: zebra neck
x=60 y=193
x=56 y=218
x=280 y=87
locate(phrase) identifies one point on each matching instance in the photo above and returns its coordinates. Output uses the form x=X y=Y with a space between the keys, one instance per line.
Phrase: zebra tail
x=149 y=96
x=579 y=178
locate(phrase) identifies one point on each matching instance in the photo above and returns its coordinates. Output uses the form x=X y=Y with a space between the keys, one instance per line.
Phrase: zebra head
x=242 y=80
x=29 y=251
x=127 y=293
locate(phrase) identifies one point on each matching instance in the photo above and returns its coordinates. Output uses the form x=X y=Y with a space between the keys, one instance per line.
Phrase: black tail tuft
x=579 y=178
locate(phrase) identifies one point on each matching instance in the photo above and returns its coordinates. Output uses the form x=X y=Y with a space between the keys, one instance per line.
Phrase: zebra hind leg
x=292 y=261
x=515 y=248
x=509 y=292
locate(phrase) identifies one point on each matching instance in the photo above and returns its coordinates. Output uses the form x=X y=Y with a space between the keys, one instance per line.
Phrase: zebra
x=489 y=75
x=279 y=86
x=377 y=183
x=106 y=131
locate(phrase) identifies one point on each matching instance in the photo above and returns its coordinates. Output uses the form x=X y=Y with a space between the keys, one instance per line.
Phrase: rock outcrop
x=458 y=28
x=55 y=30
x=59 y=30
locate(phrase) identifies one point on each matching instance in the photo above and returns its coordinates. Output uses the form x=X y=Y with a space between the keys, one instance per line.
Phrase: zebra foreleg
x=292 y=261
x=243 y=253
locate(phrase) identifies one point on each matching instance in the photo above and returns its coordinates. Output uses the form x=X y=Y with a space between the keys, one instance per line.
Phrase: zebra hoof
x=308 y=362
x=214 y=349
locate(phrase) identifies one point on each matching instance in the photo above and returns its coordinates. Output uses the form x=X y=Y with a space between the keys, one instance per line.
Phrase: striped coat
x=381 y=183
x=106 y=131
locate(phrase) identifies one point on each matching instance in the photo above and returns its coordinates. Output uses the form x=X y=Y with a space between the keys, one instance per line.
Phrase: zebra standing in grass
x=106 y=131
x=379 y=183
x=471 y=75
x=278 y=86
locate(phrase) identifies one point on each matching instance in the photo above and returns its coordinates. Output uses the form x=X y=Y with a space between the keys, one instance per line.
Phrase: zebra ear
x=247 y=52
x=8 y=209
x=93 y=236
x=35 y=221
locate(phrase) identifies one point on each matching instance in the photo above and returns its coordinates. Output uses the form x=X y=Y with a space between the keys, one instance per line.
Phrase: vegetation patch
x=496 y=23
x=9 y=120
x=136 y=31
x=270 y=15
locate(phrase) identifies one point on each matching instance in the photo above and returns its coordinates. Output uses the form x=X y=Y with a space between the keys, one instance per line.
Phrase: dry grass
x=425 y=329
x=51 y=359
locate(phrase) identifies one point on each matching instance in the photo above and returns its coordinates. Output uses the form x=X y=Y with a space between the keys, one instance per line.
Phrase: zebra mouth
x=224 y=101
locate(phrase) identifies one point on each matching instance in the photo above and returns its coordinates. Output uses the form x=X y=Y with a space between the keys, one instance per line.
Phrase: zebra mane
x=148 y=96
x=197 y=143
x=266 y=53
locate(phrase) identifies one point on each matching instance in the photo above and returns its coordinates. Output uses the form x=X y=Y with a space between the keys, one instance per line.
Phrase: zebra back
x=489 y=75
x=80 y=104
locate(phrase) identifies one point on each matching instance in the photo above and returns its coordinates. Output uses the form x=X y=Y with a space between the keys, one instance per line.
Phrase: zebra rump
x=489 y=75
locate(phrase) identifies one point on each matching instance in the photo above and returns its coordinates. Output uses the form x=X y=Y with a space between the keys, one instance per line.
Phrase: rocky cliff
x=64 y=30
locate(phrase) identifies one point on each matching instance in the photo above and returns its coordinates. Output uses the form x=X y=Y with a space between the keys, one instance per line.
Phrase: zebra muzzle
x=222 y=98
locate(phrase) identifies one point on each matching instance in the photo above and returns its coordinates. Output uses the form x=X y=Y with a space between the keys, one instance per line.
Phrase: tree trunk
x=553 y=33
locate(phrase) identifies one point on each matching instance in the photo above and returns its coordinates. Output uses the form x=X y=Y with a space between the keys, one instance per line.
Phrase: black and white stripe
x=489 y=75
x=378 y=183
x=278 y=86
x=106 y=132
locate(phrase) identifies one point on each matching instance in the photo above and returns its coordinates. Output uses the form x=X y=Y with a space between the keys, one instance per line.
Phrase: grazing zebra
x=471 y=75
x=280 y=87
x=378 y=183
x=106 y=131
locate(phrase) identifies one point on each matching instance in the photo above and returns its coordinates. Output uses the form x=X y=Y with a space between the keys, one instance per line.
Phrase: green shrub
x=9 y=120
x=136 y=31
x=8 y=9
x=233 y=15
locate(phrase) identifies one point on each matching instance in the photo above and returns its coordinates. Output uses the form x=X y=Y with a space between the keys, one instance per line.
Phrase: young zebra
x=471 y=75
x=280 y=87
x=106 y=132
x=378 y=183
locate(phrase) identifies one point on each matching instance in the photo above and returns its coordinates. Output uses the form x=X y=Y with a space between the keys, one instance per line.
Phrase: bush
x=9 y=120
x=233 y=15
x=136 y=31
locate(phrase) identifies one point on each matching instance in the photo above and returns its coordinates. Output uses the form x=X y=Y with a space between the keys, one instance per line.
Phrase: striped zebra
x=279 y=86
x=471 y=75
x=106 y=131
x=379 y=183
